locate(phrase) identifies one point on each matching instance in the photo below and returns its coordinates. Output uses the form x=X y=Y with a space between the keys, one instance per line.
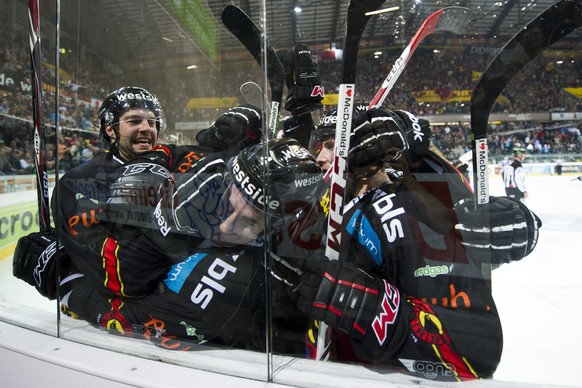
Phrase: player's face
x=137 y=133
x=243 y=224
x=325 y=154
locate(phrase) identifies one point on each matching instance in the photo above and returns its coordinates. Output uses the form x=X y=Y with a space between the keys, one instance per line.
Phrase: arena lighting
x=390 y=9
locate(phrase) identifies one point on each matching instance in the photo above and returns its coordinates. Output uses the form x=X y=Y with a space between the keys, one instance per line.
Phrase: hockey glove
x=235 y=129
x=377 y=138
x=304 y=90
x=35 y=262
x=501 y=231
x=197 y=199
x=417 y=132
x=350 y=300
x=299 y=128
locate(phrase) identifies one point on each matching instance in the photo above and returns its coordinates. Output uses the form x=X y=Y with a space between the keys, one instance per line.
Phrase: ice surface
x=539 y=297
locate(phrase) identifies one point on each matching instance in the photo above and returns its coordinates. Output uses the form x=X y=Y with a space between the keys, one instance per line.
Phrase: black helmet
x=124 y=99
x=292 y=175
x=326 y=127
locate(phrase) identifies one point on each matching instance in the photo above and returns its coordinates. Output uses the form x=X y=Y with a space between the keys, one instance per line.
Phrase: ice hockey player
x=215 y=294
x=408 y=289
x=514 y=175
x=105 y=242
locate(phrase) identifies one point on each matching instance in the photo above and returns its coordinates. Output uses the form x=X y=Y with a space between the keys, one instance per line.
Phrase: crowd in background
x=445 y=72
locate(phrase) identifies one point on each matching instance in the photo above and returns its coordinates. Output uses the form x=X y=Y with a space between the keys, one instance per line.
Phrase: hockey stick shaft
x=451 y=19
x=39 y=136
x=249 y=34
x=554 y=23
x=356 y=21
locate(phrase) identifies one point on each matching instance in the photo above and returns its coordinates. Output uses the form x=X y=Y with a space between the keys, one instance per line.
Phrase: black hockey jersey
x=439 y=318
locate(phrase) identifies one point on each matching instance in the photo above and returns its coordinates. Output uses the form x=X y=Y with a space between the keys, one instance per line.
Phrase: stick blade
x=252 y=93
x=455 y=20
x=356 y=21
x=554 y=23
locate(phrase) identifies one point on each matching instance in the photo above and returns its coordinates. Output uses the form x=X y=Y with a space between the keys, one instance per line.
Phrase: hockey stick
x=252 y=93
x=554 y=23
x=356 y=21
x=450 y=19
x=42 y=179
x=247 y=32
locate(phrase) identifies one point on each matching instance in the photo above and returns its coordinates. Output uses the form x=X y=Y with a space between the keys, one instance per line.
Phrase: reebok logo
x=416 y=129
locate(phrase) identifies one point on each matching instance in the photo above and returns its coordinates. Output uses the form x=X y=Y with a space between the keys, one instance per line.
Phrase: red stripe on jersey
x=111 y=265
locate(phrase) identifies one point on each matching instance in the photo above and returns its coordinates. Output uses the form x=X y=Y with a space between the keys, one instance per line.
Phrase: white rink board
x=537 y=298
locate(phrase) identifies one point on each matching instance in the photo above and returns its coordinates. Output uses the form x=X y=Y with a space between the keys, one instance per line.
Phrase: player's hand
x=347 y=298
x=35 y=262
x=417 y=132
x=235 y=129
x=197 y=200
x=303 y=81
x=501 y=231
x=377 y=137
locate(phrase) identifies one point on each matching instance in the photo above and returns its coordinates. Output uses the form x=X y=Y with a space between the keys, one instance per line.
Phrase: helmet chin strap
x=114 y=144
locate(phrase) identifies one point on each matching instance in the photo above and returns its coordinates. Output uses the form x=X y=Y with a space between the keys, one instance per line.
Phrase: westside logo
x=252 y=189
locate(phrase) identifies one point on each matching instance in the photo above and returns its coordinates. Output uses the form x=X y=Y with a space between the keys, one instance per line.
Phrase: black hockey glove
x=417 y=133
x=377 y=137
x=197 y=200
x=35 y=262
x=501 y=231
x=348 y=299
x=304 y=90
x=299 y=128
x=233 y=130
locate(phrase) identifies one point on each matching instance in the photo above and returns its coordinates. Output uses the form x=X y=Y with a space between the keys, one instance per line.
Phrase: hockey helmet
x=278 y=178
x=326 y=127
x=271 y=175
x=124 y=99
x=518 y=150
